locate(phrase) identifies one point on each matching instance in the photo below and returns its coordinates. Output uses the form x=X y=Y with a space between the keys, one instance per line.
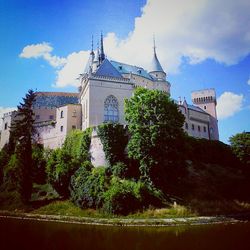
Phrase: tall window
x=61 y=114
x=111 y=109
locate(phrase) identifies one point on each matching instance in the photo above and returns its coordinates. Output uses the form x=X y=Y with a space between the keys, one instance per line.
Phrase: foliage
x=240 y=144
x=122 y=197
x=60 y=167
x=114 y=139
x=77 y=144
x=88 y=185
x=156 y=130
x=127 y=196
x=120 y=170
x=23 y=130
x=11 y=174
x=39 y=162
x=208 y=151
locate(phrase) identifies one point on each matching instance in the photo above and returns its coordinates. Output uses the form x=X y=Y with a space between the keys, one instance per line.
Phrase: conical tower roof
x=155 y=64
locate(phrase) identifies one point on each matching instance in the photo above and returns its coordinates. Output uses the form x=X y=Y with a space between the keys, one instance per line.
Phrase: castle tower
x=206 y=100
x=156 y=69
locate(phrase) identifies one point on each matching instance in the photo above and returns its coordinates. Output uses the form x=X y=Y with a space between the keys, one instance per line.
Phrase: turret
x=206 y=100
x=89 y=65
x=102 y=55
x=156 y=69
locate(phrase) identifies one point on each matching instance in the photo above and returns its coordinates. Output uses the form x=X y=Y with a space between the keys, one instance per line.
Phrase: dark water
x=24 y=234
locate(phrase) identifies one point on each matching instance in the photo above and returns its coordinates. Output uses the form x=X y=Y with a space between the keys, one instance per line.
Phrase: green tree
x=23 y=131
x=155 y=126
x=240 y=144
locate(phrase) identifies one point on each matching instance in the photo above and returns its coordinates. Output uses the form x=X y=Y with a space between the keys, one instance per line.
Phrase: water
x=26 y=234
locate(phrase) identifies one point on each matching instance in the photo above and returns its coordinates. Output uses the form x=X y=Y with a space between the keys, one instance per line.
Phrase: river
x=27 y=234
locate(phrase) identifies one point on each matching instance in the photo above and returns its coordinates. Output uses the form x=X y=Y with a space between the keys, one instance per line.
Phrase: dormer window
x=139 y=71
x=120 y=67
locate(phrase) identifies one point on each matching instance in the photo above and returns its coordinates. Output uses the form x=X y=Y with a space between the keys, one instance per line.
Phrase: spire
x=102 y=55
x=155 y=65
x=97 y=53
x=92 y=54
x=88 y=67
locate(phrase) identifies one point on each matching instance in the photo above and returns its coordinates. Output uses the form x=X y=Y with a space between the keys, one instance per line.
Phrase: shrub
x=120 y=170
x=122 y=197
x=88 y=185
x=77 y=144
x=11 y=174
x=60 y=167
x=114 y=139
x=38 y=164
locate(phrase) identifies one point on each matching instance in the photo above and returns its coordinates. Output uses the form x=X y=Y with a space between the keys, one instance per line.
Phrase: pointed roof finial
x=154 y=44
x=92 y=43
x=156 y=66
x=97 y=53
x=102 y=55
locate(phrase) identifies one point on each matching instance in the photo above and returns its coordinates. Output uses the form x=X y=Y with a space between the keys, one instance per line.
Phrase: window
x=205 y=107
x=199 y=128
x=186 y=125
x=111 y=109
x=61 y=128
x=74 y=113
x=73 y=126
x=192 y=126
x=62 y=114
x=37 y=117
x=5 y=126
x=204 y=129
x=51 y=117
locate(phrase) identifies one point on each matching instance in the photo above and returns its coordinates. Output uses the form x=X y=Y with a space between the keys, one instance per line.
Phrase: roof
x=56 y=94
x=124 y=68
x=155 y=64
x=55 y=99
x=195 y=108
x=107 y=69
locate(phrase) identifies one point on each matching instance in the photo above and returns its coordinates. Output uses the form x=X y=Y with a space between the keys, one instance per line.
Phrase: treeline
x=151 y=163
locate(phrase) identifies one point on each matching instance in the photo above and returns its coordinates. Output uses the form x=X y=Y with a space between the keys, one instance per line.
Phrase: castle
x=104 y=85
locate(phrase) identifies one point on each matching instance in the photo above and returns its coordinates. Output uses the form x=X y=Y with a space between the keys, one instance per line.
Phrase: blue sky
x=200 y=43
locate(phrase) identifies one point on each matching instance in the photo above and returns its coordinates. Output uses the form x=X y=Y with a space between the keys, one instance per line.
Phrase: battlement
x=203 y=96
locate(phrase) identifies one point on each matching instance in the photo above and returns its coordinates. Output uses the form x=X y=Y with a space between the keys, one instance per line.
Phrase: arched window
x=111 y=113
x=61 y=114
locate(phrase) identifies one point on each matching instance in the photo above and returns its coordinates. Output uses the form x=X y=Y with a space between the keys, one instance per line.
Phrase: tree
x=240 y=144
x=23 y=131
x=155 y=125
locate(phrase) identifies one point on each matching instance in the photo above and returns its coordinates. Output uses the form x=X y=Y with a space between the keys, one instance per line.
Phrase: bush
x=11 y=174
x=77 y=144
x=114 y=139
x=38 y=164
x=88 y=185
x=60 y=167
x=120 y=170
x=122 y=197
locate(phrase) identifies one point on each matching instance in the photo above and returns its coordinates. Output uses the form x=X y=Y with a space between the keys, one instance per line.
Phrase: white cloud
x=248 y=82
x=2 y=111
x=228 y=104
x=194 y=29
x=42 y=50
x=75 y=62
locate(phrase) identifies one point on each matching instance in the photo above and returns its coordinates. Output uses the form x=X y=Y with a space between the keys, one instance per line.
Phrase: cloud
x=228 y=104
x=4 y=110
x=42 y=50
x=67 y=75
x=248 y=82
x=193 y=29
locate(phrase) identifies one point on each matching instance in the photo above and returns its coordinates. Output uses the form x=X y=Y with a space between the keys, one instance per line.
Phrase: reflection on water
x=23 y=234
